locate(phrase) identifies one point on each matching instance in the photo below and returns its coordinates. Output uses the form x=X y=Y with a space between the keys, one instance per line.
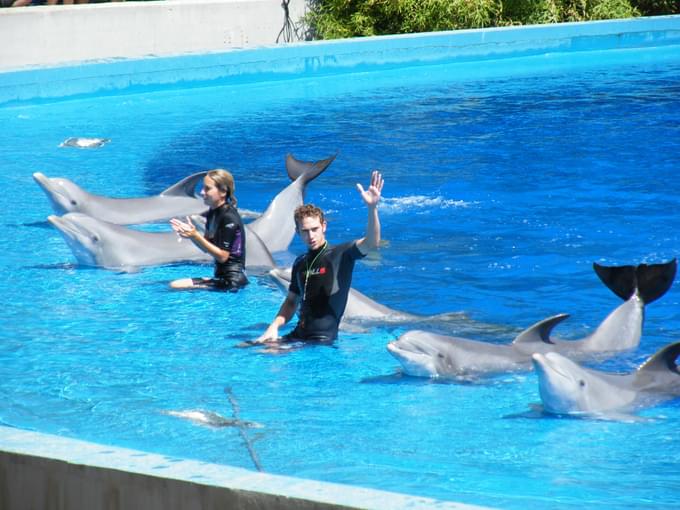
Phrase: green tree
x=332 y=19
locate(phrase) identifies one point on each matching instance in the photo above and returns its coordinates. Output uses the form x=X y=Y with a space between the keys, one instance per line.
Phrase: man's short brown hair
x=307 y=210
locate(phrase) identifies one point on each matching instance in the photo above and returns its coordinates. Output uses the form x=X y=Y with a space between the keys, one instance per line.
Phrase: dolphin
x=568 y=388
x=84 y=143
x=211 y=419
x=102 y=244
x=426 y=354
x=181 y=199
x=359 y=306
x=276 y=225
x=362 y=312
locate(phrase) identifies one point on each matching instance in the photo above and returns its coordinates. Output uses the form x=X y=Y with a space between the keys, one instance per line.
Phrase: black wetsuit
x=322 y=278
x=224 y=228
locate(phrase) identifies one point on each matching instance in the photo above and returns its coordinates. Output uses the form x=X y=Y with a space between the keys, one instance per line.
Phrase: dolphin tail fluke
x=186 y=187
x=663 y=360
x=654 y=280
x=650 y=280
x=310 y=169
x=540 y=332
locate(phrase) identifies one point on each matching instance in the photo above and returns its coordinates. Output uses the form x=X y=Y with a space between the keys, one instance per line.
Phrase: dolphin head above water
x=425 y=354
x=93 y=242
x=568 y=388
x=418 y=354
x=102 y=244
x=65 y=195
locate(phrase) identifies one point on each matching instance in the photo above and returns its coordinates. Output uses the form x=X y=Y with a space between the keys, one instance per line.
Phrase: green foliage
x=331 y=19
x=349 y=18
x=657 y=7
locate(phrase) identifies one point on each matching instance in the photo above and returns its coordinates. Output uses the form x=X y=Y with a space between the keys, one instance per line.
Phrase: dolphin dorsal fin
x=650 y=280
x=186 y=187
x=309 y=169
x=664 y=359
x=540 y=332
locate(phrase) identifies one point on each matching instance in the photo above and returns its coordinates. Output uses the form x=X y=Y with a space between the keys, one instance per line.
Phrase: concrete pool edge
x=323 y=58
x=46 y=471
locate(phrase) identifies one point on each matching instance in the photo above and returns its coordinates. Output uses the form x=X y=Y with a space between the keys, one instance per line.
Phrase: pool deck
x=45 y=471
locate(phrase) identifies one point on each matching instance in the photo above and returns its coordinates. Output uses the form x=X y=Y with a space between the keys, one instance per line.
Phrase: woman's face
x=213 y=197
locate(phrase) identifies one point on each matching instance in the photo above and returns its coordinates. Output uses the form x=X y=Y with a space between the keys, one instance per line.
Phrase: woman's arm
x=188 y=230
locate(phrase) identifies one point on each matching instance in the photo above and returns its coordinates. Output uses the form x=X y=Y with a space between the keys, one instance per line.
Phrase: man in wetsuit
x=321 y=278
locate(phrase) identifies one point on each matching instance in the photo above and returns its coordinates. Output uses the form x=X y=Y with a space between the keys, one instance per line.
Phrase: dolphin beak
x=544 y=363
x=42 y=180
x=60 y=202
x=56 y=221
x=64 y=226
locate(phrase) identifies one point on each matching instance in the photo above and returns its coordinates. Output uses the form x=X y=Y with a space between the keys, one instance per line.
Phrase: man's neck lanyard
x=310 y=267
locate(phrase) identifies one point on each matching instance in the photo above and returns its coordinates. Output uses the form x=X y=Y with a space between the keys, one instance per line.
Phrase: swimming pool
x=502 y=189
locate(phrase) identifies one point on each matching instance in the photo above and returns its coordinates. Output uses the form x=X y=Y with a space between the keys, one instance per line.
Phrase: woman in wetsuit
x=224 y=238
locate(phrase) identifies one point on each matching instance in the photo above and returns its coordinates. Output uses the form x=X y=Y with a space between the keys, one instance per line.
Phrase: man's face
x=312 y=232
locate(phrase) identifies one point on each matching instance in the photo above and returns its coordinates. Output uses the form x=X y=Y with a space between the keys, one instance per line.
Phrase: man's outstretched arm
x=371 y=197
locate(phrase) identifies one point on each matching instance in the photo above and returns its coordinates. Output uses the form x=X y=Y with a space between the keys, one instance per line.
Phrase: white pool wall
x=126 y=73
x=42 y=471
x=68 y=34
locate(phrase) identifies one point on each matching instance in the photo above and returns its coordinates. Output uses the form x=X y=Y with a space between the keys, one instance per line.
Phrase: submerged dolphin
x=568 y=388
x=102 y=244
x=362 y=312
x=211 y=419
x=428 y=354
x=181 y=199
x=84 y=143
x=359 y=306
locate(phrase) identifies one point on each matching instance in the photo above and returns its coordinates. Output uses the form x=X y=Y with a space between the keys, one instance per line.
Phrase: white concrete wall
x=56 y=35
x=45 y=472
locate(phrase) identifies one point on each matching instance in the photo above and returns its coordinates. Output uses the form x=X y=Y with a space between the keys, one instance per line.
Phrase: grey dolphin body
x=102 y=244
x=276 y=226
x=426 y=354
x=359 y=306
x=212 y=419
x=362 y=312
x=99 y=243
x=568 y=388
x=181 y=199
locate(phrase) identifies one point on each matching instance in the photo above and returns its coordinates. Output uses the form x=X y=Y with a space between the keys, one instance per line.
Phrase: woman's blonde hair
x=225 y=182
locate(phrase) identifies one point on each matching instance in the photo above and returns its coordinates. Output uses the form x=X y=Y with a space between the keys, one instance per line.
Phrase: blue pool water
x=501 y=191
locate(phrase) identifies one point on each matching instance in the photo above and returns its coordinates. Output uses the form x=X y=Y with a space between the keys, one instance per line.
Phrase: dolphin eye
x=439 y=354
x=73 y=202
x=95 y=239
x=581 y=383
